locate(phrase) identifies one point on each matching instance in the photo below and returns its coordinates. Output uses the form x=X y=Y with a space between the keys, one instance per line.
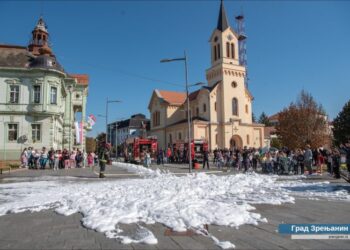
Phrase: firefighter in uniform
x=103 y=157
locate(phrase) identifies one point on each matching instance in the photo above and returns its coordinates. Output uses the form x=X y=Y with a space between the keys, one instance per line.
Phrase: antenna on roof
x=242 y=38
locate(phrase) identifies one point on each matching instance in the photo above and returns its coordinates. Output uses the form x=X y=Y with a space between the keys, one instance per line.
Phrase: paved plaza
x=49 y=230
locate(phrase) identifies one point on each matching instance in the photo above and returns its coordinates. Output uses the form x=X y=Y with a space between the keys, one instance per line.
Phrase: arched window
x=246 y=108
x=204 y=108
x=234 y=106
x=215 y=106
x=218 y=51
x=248 y=141
x=233 y=50
x=227 y=49
x=214 y=50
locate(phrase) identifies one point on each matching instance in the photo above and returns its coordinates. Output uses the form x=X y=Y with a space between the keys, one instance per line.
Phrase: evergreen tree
x=264 y=119
x=253 y=117
x=341 y=123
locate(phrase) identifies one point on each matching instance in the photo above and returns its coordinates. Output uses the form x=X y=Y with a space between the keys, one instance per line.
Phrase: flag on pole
x=81 y=133
x=91 y=120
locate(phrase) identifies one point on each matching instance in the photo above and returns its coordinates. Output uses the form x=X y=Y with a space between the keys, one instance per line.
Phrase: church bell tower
x=233 y=99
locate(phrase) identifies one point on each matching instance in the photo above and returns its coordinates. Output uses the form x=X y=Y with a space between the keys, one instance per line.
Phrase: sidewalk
x=48 y=230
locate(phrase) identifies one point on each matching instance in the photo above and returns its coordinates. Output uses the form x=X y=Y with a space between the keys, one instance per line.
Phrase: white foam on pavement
x=138 y=169
x=180 y=203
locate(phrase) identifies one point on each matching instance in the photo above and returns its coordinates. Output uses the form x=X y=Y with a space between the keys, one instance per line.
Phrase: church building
x=221 y=112
x=39 y=100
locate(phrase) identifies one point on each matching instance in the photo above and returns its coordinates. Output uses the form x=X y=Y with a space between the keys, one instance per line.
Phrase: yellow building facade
x=221 y=112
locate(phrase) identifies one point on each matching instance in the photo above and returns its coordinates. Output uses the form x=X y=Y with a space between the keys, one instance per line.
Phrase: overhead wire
x=126 y=73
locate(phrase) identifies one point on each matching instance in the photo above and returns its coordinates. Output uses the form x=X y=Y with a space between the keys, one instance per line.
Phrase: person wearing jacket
x=205 y=158
x=346 y=148
x=300 y=161
x=103 y=157
x=336 y=163
x=308 y=159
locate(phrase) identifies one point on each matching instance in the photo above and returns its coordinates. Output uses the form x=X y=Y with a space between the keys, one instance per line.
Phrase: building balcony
x=31 y=108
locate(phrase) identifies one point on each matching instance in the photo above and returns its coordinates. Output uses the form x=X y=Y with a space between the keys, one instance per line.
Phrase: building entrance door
x=236 y=142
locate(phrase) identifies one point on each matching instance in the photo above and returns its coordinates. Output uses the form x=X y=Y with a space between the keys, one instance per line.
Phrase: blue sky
x=292 y=45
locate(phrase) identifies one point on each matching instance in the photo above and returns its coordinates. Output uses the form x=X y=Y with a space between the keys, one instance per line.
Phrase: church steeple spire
x=222 y=21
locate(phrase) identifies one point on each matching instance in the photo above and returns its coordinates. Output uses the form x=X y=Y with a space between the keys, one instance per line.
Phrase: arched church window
x=234 y=106
x=233 y=50
x=246 y=108
x=216 y=39
x=227 y=49
x=218 y=51
x=215 y=106
x=215 y=54
x=234 y=84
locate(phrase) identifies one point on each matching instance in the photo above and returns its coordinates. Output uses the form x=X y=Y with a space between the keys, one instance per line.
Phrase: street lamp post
x=188 y=104
x=116 y=140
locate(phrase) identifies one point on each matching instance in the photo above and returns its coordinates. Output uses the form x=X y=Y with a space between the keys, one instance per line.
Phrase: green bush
x=14 y=165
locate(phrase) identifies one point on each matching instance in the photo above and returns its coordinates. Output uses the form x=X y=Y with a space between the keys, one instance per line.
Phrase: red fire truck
x=197 y=148
x=135 y=147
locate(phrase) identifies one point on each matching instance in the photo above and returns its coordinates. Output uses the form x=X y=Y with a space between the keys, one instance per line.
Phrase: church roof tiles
x=172 y=97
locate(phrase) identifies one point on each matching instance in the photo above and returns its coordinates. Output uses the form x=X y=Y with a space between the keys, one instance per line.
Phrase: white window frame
x=34 y=100
x=40 y=132
x=8 y=131
x=16 y=101
x=51 y=95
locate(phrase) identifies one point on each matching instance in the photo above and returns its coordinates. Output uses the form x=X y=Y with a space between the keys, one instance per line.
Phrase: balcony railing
x=30 y=107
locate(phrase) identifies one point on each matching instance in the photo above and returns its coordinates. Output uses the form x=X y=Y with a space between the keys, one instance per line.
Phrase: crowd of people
x=282 y=161
x=56 y=159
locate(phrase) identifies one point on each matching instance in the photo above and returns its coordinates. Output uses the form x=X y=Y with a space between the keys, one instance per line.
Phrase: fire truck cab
x=197 y=148
x=135 y=148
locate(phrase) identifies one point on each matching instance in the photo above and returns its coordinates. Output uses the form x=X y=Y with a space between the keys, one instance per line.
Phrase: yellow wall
x=221 y=122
